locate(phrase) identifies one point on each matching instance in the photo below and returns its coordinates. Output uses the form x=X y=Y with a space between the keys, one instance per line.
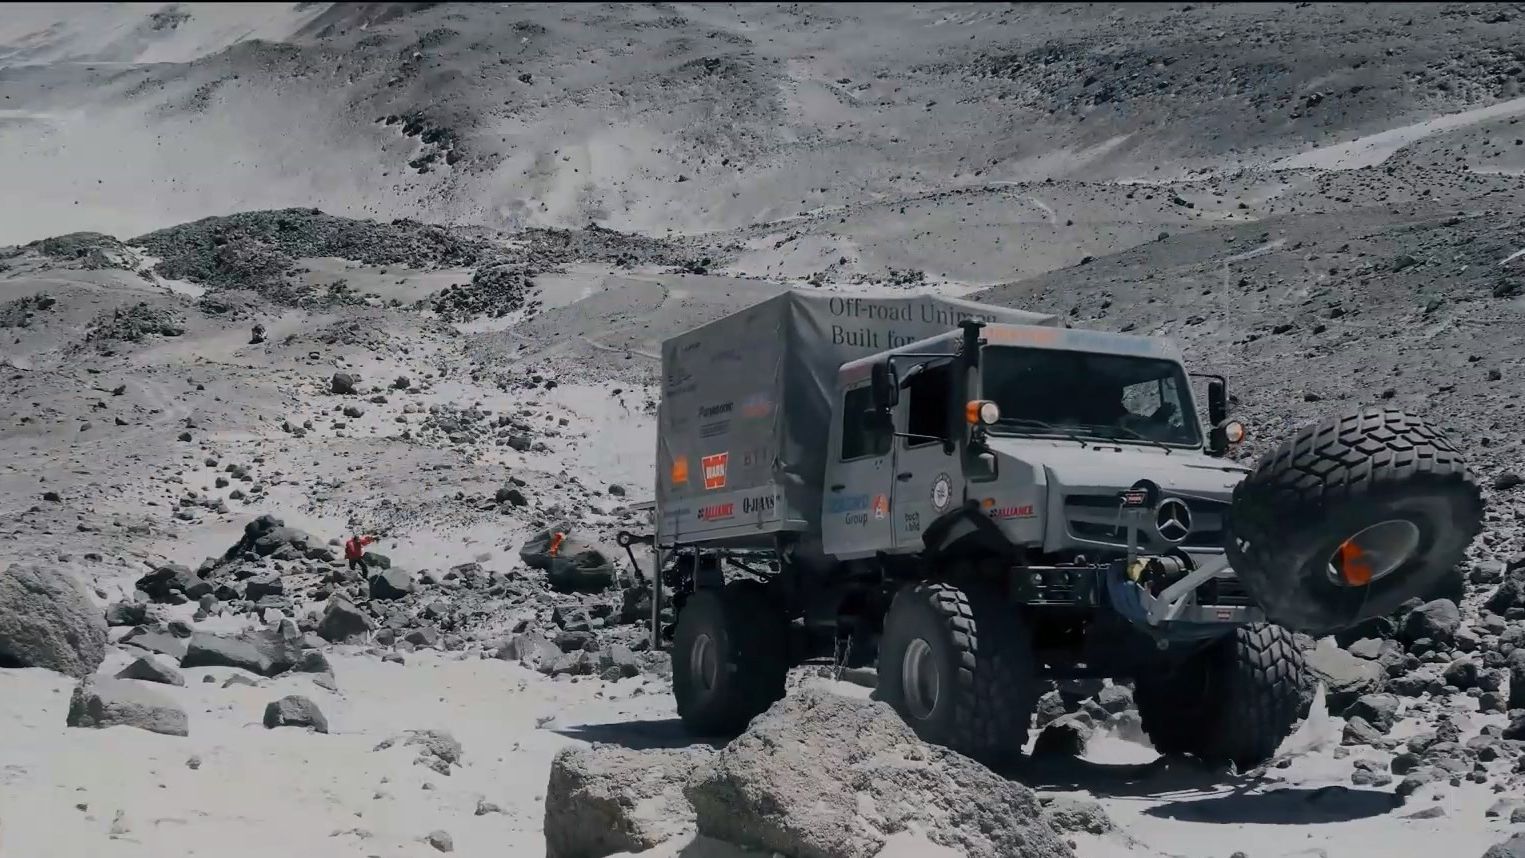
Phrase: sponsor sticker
x=717 y=419
x=717 y=511
x=679 y=471
x=881 y=507
x=714 y=470
x=1018 y=511
x=756 y=406
x=942 y=492
x=762 y=505
x=850 y=503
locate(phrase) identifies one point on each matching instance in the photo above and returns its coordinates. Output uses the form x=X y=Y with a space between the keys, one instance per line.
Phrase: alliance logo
x=717 y=511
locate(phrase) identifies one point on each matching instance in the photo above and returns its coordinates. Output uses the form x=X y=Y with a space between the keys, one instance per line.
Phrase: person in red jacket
x=354 y=552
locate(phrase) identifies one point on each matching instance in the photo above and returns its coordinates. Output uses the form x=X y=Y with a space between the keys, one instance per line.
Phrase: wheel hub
x=920 y=679
x=1373 y=553
x=704 y=663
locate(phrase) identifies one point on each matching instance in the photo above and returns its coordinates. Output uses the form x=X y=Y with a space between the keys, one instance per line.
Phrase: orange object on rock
x=556 y=539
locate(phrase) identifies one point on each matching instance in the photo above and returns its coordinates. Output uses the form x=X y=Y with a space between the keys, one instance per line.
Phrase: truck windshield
x=1070 y=393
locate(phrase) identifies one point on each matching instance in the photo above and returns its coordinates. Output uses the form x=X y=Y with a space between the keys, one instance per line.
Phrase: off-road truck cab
x=998 y=499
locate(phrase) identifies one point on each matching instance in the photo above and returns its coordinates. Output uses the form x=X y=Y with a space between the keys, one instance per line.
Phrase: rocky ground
x=429 y=310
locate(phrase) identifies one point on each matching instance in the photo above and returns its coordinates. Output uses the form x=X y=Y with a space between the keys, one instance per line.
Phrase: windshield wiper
x=1046 y=427
x=1133 y=433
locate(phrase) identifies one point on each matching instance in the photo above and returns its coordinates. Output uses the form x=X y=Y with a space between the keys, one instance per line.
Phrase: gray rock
x=126 y=614
x=313 y=662
x=1073 y=815
x=619 y=658
x=1514 y=847
x=343 y=383
x=1462 y=673
x=846 y=756
x=440 y=840
x=1517 y=679
x=1050 y=708
x=1378 y=710
x=47 y=620
x=103 y=703
x=391 y=583
x=149 y=669
x=1066 y=736
x=1115 y=699
x=1358 y=731
x=260 y=586
x=295 y=710
x=1346 y=677
x=606 y=799
x=266 y=653
x=342 y=622
x=1437 y=620
x=159 y=642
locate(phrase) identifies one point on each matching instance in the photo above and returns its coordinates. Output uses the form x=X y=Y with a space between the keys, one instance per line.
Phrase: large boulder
x=391 y=583
x=150 y=669
x=48 y=620
x=1517 y=679
x=1346 y=678
x=574 y=567
x=266 y=653
x=1514 y=847
x=606 y=799
x=342 y=622
x=294 y=710
x=819 y=774
x=112 y=702
x=1437 y=620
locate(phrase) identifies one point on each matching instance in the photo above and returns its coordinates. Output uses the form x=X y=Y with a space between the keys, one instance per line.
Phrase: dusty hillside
x=404 y=270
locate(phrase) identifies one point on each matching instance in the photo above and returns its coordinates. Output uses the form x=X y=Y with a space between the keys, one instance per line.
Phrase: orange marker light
x=1353 y=566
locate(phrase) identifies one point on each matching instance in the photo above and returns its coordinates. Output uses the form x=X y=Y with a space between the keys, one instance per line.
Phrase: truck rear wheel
x=957 y=664
x=730 y=658
x=1232 y=702
x=1351 y=517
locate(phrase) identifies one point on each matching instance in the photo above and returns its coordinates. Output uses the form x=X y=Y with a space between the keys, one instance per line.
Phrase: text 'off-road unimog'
x=973 y=498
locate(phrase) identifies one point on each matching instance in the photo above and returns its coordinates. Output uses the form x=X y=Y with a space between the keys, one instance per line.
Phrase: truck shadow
x=1189 y=792
x=638 y=735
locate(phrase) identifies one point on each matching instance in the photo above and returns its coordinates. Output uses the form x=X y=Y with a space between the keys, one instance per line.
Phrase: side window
x=928 y=412
x=1143 y=399
x=858 y=438
x=1169 y=393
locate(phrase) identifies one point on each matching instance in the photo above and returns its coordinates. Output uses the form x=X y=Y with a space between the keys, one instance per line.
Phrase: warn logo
x=717 y=511
x=714 y=470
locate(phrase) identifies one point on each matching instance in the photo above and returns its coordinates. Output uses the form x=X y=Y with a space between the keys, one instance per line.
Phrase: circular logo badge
x=1173 y=520
x=942 y=492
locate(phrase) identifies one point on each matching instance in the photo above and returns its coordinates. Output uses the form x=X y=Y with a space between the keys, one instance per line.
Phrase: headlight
x=982 y=412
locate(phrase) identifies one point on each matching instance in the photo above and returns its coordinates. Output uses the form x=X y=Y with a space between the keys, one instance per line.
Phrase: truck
x=976 y=499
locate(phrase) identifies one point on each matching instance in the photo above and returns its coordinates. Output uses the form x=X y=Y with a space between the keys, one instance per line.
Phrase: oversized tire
x=730 y=658
x=1351 y=517
x=1234 y=701
x=958 y=666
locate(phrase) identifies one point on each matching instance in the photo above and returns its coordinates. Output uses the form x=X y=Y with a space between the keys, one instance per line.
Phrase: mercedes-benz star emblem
x=1173 y=520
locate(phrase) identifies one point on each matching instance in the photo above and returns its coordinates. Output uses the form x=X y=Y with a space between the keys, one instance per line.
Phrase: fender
x=962 y=531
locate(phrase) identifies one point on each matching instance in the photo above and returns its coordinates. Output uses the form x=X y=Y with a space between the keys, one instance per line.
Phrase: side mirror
x=886 y=386
x=1217 y=402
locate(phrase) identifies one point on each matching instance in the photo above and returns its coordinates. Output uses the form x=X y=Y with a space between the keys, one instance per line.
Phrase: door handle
x=904 y=477
x=838 y=487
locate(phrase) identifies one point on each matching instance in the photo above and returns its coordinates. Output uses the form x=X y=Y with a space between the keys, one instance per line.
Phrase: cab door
x=855 y=502
x=928 y=481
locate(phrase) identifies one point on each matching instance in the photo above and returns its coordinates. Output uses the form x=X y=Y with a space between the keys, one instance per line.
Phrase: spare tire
x=1350 y=517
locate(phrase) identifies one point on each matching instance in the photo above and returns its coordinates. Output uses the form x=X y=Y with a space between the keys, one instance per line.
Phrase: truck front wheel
x=957 y=664
x=730 y=658
x=1231 y=702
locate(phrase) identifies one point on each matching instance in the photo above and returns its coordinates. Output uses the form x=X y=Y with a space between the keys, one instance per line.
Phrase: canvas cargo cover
x=743 y=425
